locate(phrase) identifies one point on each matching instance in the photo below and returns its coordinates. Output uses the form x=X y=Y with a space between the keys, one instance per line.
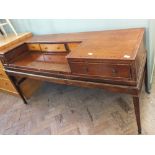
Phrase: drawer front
x=79 y=68
x=103 y=70
x=109 y=70
x=53 y=47
x=6 y=85
x=34 y=47
x=3 y=74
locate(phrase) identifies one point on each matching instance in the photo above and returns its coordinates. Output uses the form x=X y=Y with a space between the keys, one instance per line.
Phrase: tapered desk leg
x=146 y=80
x=137 y=112
x=13 y=80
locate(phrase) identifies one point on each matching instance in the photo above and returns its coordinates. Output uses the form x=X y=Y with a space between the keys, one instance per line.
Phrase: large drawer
x=6 y=85
x=104 y=70
x=3 y=74
x=109 y=70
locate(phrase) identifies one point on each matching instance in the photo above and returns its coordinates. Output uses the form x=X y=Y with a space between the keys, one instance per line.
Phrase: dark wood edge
x=111 y=87
x=52 y=42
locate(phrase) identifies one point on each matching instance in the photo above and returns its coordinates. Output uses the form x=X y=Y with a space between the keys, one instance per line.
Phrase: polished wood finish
x=1 y=65
x=6 y=85
x=34 y=47
x=101 y=69
x=53 y=47
x=116 y=57
x=3 y=74
x=72 y=46
x=11 y=39
x=113 y=60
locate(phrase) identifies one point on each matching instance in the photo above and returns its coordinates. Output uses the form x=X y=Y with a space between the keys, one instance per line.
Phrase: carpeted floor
x=58 y=109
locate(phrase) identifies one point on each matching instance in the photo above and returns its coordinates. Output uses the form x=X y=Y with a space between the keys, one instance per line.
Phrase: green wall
x=46 y=26
x=151 y=49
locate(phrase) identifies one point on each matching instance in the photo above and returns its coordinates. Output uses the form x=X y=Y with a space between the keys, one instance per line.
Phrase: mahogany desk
x=112 y=60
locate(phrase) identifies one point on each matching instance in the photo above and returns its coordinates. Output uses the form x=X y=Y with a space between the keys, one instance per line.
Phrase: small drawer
x=34 y=47
x=3 y=74
x=7 y=85
x=53 y=47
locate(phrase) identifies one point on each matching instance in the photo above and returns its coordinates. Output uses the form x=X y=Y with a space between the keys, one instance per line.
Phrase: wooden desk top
x=111 y=44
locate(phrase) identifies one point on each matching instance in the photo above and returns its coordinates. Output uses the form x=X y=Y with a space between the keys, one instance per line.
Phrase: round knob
x=58 y=48
x=46 y=48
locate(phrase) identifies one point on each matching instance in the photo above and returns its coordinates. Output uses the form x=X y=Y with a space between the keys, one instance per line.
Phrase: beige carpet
x=59 y=109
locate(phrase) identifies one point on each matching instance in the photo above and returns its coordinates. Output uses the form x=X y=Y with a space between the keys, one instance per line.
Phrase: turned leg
x=14 y=82
x=137 y=112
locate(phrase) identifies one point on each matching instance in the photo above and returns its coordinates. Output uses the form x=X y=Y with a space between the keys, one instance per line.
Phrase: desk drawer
x=3 y=74
x=109 y=70
x=103 y=70
x=6 y=85
x=53 y=47
x=34 y=47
